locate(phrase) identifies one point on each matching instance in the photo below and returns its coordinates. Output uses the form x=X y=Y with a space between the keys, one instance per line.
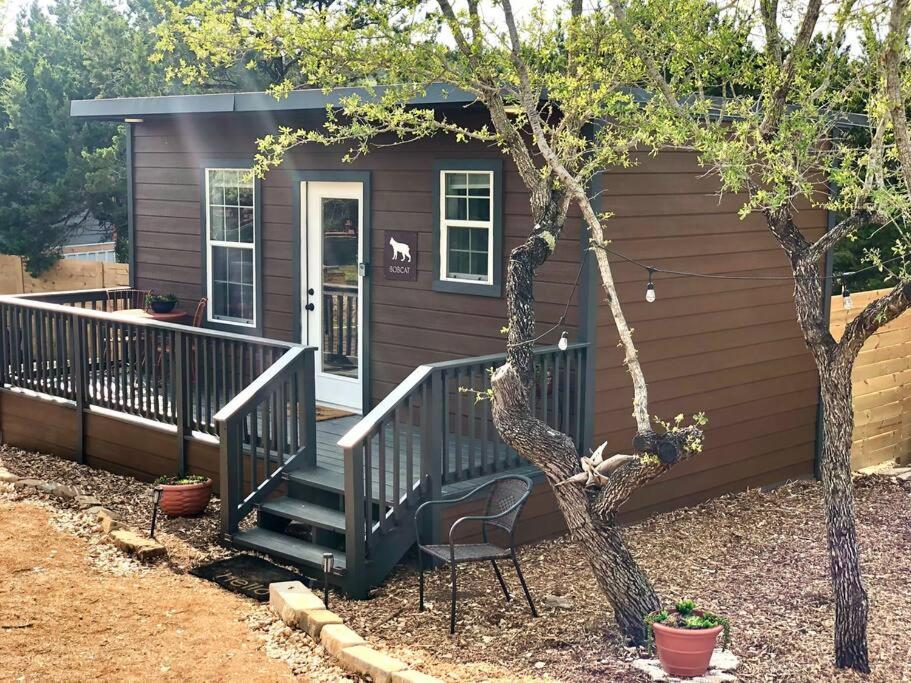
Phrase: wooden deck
x=329 y=457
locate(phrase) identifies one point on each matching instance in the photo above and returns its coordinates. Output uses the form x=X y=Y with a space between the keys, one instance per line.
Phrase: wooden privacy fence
x=882 y=386
x=64 y=275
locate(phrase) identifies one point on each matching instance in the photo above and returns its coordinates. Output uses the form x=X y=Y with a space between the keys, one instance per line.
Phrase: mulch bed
x=756 y=557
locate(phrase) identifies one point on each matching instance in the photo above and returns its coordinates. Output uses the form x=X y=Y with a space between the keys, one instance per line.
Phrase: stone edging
x=301 y=608
x=142 y=547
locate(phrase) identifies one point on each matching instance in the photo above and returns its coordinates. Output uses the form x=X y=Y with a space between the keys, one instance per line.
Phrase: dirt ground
x=63 y=620
x=757 y=557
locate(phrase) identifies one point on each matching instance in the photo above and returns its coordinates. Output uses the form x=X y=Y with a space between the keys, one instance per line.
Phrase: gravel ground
x=757 y=557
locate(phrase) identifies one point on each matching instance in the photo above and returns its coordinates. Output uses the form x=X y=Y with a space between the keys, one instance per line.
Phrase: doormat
x=246 y=574
x=327 y=413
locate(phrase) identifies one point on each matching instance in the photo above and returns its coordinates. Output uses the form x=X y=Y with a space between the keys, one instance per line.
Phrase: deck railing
x=268 y=429
x=340 y=321
x=81 y=346
x=431 y=431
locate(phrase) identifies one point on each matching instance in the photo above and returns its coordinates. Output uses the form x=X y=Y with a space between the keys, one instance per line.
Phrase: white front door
x=332 y=288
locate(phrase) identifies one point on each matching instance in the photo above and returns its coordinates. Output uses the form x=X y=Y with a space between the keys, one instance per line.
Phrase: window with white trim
x=231 y=246
x=466 y=226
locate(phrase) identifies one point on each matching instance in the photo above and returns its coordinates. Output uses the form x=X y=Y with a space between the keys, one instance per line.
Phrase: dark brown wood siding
x=410 y=323
x=123 y=445
x=730 y=348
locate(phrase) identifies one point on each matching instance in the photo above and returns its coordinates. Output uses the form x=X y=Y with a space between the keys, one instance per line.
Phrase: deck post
x=433 y=457
x=78 y=332
x=308 y=397
x=6 y=336
x=180 y=403
x=229 y=472
x=355 y=531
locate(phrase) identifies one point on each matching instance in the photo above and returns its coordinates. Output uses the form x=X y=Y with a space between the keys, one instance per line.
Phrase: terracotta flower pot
x=184 y=500
x=683 y=651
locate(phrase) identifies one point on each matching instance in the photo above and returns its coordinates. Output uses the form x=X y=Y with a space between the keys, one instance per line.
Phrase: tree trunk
x=618 y=576
x=834 y=362
x=590 y=514
x=835 y=472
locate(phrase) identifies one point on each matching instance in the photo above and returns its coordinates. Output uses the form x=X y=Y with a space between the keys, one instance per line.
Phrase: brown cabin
x=348 y=302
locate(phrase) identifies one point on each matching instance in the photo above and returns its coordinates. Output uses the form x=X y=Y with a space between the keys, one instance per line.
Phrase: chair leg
x=452 y=609
x=531 y=604
x=496 y=570
x=420 y=580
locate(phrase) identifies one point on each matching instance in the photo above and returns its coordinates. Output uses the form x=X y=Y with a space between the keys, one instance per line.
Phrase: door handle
x=310 y=307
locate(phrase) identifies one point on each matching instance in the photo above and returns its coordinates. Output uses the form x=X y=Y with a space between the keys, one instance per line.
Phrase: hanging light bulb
x=563 y=344
x=650 y=287
x=846 y=298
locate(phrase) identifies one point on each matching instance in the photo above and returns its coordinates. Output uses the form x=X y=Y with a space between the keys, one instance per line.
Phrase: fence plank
x=881 y=382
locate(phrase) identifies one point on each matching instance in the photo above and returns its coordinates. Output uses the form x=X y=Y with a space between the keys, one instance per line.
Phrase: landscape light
x=328 y=564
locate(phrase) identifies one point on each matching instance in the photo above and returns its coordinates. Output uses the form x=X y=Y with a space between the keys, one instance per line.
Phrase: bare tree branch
x=769 y=11
x=653 y=71
x=837 y=233
x=896 y=42
x=577 y=190
x=775 y=108
x=876 y=314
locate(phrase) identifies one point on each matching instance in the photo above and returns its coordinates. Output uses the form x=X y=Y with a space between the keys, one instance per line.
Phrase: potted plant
x=161 y=303
x=685 y=637
x=184 y=496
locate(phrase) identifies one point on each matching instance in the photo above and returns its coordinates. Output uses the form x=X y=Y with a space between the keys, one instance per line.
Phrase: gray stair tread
x=307 y=513
x=334 y=481
x=320 y=477
x=288 y=547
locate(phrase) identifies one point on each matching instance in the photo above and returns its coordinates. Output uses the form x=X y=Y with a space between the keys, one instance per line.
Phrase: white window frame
x=446 y=224
x=210 y=309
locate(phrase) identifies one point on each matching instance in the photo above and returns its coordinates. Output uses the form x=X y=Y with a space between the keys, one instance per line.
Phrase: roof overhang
x=118 y=109
x=436 y=95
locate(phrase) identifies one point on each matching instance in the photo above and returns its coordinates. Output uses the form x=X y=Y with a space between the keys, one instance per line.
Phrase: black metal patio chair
x=505 y=501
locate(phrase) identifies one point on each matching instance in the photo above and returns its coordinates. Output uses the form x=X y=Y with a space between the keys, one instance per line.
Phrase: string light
x=718 y=276
x=650 y=287
x=846 y=298
x=650 y=294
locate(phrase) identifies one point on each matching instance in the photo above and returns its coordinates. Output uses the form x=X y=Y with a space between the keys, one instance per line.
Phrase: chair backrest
x=507 y=491
x=200 y=312
x=128 y=298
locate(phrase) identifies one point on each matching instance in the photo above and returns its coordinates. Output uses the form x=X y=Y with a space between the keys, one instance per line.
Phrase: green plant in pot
x=184 y=496
x=685 y=637
x=161 y=303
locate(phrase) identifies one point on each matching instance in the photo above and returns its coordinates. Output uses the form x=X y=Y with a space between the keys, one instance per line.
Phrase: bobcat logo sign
x=400 y=255
x=400 y=249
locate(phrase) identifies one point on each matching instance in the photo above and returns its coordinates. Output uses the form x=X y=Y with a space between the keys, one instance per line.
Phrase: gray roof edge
x=121 y=107
x=435 y=94
x=311 y=99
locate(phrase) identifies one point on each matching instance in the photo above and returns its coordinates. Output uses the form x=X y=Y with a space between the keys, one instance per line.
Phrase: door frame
x=363 y=177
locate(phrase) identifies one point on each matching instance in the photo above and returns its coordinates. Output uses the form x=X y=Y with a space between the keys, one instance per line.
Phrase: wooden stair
x=313 y=504
x=288 y=548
